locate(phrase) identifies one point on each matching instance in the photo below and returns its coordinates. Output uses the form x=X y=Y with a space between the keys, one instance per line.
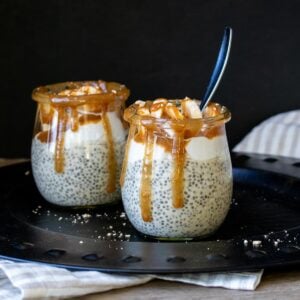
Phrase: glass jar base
x=179 y=239
x=173 y=239
x=84 y=207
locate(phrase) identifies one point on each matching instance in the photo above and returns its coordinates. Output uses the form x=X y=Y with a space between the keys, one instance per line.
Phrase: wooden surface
x=276 y=284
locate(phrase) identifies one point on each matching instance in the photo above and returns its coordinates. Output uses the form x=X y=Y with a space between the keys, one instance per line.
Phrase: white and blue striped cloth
x=38 y=281
x=279 y=135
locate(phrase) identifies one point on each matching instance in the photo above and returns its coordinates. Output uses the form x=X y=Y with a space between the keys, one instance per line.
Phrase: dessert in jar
x=176 y=179
x=78 y=143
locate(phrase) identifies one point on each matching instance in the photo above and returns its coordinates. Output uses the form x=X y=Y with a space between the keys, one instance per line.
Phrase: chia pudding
x=84 y=180
x=177 y=175
x=78 y=144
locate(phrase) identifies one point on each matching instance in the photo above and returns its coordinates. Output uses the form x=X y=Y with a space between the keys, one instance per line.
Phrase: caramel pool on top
x=176 y=109
x=178 y=115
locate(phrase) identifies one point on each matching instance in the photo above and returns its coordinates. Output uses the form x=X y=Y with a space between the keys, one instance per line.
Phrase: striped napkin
x=39 y=281
x=278 y=135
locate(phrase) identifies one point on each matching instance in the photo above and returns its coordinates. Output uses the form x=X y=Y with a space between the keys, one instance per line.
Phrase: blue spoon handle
x=219 y=67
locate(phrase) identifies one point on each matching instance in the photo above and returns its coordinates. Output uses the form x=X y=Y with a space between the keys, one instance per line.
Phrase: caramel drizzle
x=127 y=149
x=112 y=168
x=75 y=123
x=60 y=140
x=177 y=149
x=146 y=181
x=178 y=155
x=89 y=119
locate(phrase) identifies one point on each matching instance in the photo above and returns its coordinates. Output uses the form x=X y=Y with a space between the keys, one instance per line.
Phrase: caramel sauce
x=89 y=119
x=127 y=149
x=178 y=155
x=210 y=133
x=43 y=136
x=46 y=113
x=141 y=134
x=146 y=181
x=74 y=124
x=60 y=140
x=112 y=166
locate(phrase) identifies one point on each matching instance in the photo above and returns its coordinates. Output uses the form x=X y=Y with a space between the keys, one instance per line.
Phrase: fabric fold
x=39 y=281
x=278 y=135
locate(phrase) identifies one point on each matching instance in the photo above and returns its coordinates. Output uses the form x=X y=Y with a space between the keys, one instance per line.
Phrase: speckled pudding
x=78 y=144
x=177 y=175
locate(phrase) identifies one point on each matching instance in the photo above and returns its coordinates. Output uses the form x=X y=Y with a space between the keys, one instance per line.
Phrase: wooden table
x=276 y=284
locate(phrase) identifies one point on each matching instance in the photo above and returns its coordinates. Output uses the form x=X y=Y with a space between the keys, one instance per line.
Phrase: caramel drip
x=178 y=155
x=87 y=119
x=146 y=181
x=60 y=140
x=46 y=113
x=213 y=132
x=127 y=149
x=112 y=168
x=43 y=136
x=176 y=147
x=75 y=124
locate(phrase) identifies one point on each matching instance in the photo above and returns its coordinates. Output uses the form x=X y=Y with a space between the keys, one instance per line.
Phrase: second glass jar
x=78 y=143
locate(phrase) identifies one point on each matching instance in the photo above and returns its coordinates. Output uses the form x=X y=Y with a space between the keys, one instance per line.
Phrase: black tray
x=262 y=228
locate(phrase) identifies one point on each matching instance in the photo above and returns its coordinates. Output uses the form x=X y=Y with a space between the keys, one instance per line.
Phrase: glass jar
x=78 y=142
x=176 y=179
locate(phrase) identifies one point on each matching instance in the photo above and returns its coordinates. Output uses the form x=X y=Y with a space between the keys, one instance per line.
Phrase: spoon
x=219 y=68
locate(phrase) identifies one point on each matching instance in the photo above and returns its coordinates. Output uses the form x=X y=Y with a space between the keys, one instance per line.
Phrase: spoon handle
x=219 y=67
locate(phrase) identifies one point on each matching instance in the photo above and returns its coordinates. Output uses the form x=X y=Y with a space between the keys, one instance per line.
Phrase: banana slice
x=140 y=103
x=143 y=111
x=83 y=90
x=157 y=108
x=191 y=109
x=173 y=112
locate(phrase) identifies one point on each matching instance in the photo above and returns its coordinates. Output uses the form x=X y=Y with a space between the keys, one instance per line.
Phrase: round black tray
x=261 y=230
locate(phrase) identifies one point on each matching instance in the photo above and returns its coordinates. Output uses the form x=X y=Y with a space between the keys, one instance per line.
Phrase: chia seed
x=205 y=206
x=85 y=176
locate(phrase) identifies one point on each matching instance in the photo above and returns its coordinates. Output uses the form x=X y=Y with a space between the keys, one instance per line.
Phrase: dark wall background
x=157 y=48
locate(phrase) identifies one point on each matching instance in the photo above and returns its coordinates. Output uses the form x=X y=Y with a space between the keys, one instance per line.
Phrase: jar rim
x=108 y=92
x=131 y=115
